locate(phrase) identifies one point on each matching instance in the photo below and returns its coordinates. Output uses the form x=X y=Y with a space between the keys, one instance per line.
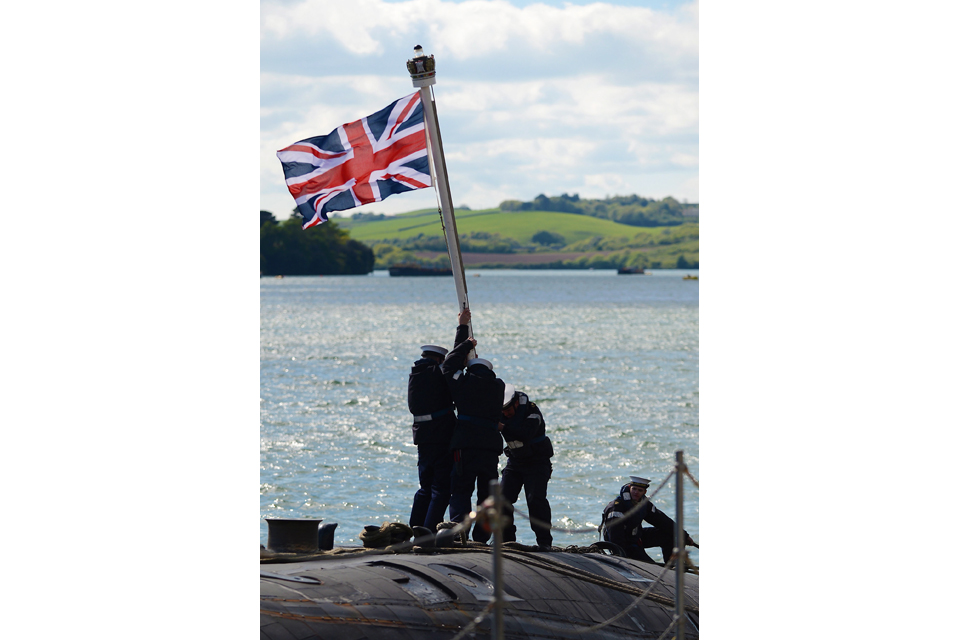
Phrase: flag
x=360 y=162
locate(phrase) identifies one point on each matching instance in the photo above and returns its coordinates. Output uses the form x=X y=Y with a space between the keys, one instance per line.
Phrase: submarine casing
x=433 y=595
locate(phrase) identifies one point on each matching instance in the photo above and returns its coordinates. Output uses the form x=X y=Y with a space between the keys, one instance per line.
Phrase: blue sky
x=549 y=97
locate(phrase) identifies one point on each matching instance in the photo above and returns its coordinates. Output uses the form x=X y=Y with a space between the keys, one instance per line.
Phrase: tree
x=548 y=237
x=266 y=216
x=286 y=249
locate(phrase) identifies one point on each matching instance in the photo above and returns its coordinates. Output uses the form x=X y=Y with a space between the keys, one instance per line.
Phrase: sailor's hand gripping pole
x=423 y=72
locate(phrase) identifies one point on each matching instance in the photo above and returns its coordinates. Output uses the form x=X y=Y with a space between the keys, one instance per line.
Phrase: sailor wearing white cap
x=480 y=361
x=429 y=349
x=623 y=518
x=528 y=467
x=430 y=402
x=478 y=395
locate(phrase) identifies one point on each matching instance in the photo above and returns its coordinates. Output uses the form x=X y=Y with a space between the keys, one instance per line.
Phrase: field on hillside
x=519 y=225
x=588 y=242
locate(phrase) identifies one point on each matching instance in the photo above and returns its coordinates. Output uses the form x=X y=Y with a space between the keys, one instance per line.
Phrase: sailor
x=623 y=517
x=430 y=402
x=528 y=454
x=478 y=395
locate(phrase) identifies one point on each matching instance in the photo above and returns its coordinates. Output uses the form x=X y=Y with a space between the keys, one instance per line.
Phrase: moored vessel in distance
x=417 y=270
x=691 y=277
x=627 y=271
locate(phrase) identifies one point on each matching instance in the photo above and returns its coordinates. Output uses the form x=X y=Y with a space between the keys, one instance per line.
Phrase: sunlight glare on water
x=612 y=361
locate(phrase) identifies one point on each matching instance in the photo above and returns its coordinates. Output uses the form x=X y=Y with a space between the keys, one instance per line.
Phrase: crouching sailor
x=528 y=454
x=430 y=402
x=623 y=518
x=476 y=444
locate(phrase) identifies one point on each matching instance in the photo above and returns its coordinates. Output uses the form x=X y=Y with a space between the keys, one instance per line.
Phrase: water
x=612 y=361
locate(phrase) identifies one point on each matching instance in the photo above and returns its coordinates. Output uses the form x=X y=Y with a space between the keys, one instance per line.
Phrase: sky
x=598 y=99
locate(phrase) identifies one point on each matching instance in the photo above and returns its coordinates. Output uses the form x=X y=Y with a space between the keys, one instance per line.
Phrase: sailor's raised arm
x=457 y=358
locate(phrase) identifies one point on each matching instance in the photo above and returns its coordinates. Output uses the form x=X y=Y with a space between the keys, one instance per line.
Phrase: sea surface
x=611 y=360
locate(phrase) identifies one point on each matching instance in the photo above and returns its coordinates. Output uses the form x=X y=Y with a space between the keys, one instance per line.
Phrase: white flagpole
x=423 y=73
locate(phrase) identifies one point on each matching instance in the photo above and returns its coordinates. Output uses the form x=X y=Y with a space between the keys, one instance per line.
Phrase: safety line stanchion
x=681 y=550
x=496 y=520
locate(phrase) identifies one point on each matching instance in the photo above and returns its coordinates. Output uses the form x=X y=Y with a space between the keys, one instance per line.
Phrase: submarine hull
x=437 y=594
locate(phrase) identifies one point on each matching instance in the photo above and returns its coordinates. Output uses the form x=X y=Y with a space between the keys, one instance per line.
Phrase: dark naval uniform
x=478 y=396
x=430 y=402
x=528 y=453
x=627 y=532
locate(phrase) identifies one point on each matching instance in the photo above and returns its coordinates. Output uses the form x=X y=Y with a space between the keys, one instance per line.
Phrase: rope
x=395 y=537
x=670 y=626
x=473 y=623
x=692 y=479
x=605 y=623
x=521 y=556
x=270 y=557
x=549 y=564
x=612 y=523
x=387 y=534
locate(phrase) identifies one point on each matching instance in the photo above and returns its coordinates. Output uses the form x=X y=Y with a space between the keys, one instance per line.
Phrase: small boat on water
x=629 y=271
x=690 y=277
x=417 y=270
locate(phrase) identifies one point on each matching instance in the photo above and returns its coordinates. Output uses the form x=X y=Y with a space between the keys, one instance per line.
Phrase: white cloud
x=595 y=99
x=685 y=160
x=475 y=28
x=611 y=183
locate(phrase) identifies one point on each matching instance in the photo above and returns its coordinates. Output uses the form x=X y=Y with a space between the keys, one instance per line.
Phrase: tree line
x=632 y=210
x=326 y=249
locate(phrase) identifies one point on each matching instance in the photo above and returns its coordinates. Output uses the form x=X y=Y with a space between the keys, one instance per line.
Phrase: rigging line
x=547 y=525
x=612 y=523
x=619 y=521
x=473 y=623
x=545 y=564
x=403 y=546
x=436 y=187
x=692 y=479
x=582 y=574
x=367 y=551
x=670 y=626
x=605 y=623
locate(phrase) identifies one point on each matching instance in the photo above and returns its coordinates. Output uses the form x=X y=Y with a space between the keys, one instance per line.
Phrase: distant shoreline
x=551 y=260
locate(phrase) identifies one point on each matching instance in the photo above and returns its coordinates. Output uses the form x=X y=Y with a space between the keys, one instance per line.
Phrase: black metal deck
x=436 y=594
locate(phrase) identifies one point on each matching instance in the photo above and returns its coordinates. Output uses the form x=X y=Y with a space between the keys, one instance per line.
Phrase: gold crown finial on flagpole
x=422 y=68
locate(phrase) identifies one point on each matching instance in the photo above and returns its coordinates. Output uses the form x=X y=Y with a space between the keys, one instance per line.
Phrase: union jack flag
x=360 y=162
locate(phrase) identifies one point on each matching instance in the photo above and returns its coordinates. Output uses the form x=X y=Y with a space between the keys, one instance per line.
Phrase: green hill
x=526 y=239
x=519 y=225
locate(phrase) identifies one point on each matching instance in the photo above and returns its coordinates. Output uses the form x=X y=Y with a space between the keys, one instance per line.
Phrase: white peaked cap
x=483 y=361
x=508 y=392
x=639 y=480
x=434 y=348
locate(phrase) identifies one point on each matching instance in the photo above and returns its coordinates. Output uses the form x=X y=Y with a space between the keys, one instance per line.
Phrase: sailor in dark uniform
x=430 y=402
x=528 y=454
x=622 y=522
x=478 y=395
